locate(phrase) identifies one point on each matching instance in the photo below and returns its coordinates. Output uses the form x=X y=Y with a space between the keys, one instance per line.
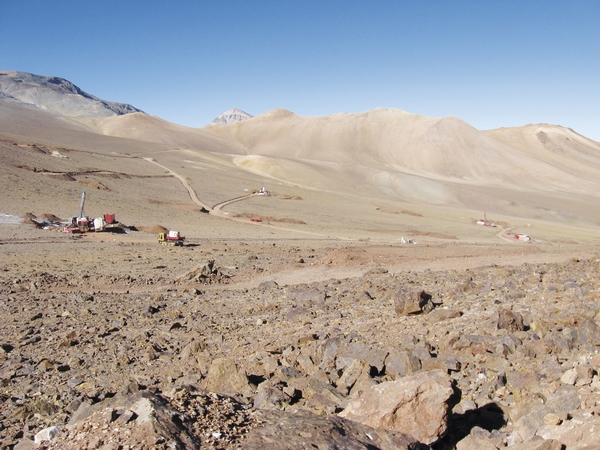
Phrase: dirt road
x=183 y=180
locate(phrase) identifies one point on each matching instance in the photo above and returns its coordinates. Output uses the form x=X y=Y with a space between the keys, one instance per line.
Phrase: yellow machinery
x=170 y=238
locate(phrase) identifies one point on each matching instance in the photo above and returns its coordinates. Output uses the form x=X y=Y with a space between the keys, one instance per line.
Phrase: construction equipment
x=171 y=238
x=82 y=222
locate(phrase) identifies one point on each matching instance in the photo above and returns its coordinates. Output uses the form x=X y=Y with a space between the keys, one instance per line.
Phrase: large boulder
x=224 y=377
x=303 y=429
x=409 y=302
x=417 y=405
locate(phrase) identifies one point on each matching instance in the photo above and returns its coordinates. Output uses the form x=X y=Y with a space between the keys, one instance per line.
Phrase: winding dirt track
x=192 y=193
x=220 y=206
x=216 y=210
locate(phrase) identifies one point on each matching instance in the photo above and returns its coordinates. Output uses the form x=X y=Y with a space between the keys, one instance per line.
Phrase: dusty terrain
x=90 y=319
x=280 y=311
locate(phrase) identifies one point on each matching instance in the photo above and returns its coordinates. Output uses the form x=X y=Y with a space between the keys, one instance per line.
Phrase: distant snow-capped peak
x=231 y=116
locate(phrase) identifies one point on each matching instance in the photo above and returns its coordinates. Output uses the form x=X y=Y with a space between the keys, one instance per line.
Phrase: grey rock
x=302 y=430
x=47 y=434
x=401 y=363
x=59 y=96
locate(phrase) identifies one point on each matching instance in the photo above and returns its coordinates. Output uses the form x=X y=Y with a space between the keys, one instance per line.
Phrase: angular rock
x=269 y=396
x=348 y=354
x=47 y=434
x=304 y=430
x=417 y=405
x=401 y=364
x=409 y=302
x=576 y=434
x=198 y=273
x=223 y=377
x=532 y=417
x=350 y=375
x=303 y=294
x=447 y=363
x=363 y=383
x=475 y=443
x=569 y=377
x=324 y=403
x=443 y=315
x=311 y=386
x=504 y=319
x=151 y=416
x=588 y=333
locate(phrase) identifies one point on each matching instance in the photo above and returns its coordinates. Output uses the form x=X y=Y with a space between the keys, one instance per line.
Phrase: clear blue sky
x=491 y=63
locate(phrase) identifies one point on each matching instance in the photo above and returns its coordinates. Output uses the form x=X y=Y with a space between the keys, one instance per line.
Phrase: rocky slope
x=58 y=96
x=491 y=357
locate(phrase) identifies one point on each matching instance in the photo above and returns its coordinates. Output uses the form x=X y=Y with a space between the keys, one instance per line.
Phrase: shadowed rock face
x=58 y=95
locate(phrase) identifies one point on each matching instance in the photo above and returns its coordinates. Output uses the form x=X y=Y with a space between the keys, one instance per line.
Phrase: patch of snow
x=9 y=219
x=58 y=154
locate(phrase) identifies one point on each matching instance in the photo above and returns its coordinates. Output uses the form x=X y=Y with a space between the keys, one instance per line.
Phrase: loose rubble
x=494 y=357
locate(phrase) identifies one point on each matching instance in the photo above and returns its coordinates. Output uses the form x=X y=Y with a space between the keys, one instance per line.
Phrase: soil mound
x=153 y=229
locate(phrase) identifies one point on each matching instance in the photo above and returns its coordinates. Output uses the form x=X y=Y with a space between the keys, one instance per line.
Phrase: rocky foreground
x=485 y=358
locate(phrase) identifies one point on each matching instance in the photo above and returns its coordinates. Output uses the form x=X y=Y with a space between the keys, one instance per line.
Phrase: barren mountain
x=446 y=149
x=58 y=95
x=383 y=159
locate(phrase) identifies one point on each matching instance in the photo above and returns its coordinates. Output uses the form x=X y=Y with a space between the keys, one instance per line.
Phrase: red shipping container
x=109 y=218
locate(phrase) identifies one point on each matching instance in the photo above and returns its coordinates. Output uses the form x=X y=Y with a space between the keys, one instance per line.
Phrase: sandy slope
x=561 y=147
x=144 y=128
x=381 y=175
x=399 y=143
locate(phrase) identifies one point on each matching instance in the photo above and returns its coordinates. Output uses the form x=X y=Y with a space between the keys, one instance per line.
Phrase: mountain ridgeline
x=382 y=152
x=58 y=96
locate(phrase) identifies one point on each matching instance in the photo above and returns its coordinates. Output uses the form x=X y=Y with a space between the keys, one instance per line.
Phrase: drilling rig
x=82 y=222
